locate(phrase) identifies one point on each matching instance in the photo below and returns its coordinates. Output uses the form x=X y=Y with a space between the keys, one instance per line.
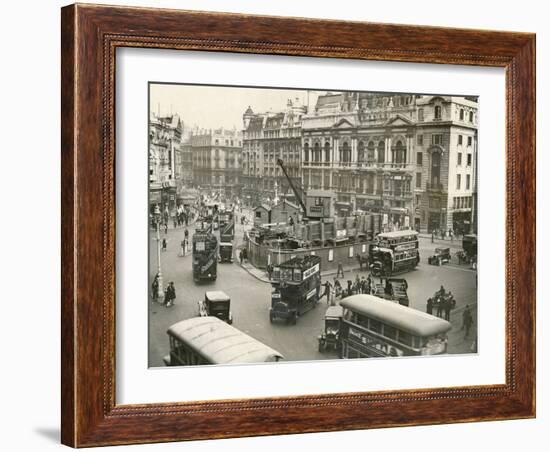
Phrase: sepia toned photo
x=300 y=225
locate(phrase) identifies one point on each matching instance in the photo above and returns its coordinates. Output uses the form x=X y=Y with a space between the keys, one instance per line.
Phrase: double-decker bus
x=205 y=256
x=394 y=252
x=375 y=327
x=296 y=286
x=209 y=340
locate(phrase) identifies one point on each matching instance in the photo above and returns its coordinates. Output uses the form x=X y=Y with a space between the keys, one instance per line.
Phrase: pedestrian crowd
x=169 y=292
x=335 y=291
x=442 y=303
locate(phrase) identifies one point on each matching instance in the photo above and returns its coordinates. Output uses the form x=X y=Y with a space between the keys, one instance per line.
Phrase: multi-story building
x=268 y=137
x=165 y=134
x=360 y=145
x=446 y=158
x=409 y=157
x=217 y=159
x=186 y=151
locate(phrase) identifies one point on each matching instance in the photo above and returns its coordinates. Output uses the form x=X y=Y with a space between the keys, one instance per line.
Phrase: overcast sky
x=215 y=106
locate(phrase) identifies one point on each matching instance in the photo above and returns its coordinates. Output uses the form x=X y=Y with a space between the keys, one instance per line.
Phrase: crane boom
x=294 y=189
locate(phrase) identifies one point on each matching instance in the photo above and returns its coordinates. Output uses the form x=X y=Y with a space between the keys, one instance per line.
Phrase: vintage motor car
x=440 y=256
x=216 y=304
x=329 y=337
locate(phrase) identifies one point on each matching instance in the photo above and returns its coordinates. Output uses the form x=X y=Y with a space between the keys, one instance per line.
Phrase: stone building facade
x=409 y=157
x=165 y=136
x=361 y=146
x=217 y=160
x=446 y=176
x=186 y=151
x=268 y=137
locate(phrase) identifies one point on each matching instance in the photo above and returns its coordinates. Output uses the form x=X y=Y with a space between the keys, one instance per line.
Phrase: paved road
x=250 y=300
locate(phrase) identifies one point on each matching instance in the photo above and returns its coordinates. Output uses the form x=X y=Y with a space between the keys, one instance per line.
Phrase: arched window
x=345 y=153
x=306 y=152
x=437 y=112
x=361 y=152
x=399 y=152
x=462 y=114
x=316 y=152
x=381 y=149
x=370 y=152
x=327 y=151
x=436 y=169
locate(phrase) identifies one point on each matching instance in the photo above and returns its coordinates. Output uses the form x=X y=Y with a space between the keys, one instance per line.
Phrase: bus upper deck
x=209 y=340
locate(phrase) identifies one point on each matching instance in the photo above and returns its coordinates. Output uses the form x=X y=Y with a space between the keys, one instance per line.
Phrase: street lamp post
x=158 y=219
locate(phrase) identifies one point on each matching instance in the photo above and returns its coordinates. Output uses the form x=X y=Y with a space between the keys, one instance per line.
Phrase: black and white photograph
x=298 y=225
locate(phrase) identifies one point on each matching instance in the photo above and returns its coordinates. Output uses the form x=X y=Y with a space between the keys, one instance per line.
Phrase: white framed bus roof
x=404 y=318
x=396 y=234
x=220 y=343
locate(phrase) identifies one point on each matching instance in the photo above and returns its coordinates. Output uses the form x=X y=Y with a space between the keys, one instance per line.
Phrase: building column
x=388 y=154
x=353 y=149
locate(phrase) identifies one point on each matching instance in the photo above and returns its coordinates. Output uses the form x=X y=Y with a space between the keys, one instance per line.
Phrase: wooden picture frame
x=90 y=35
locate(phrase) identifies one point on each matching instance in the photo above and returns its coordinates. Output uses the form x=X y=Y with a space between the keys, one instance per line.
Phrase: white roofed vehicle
x=209 y=340
x=373 y=327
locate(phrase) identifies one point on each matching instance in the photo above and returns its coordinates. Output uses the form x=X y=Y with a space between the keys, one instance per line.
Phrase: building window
x=420 y=140
x=460 y=139
x=399 y=152
x=316 y=152
x=435 y=170
x=469 y=141
x=418 y=180
x=458 y=177
x=437 y=139
x=471 y=116
x=327 y=152
x=462 y=114
x=361 y=152
x=467 y=181
x=469 y=160
x=459 y=159
x=370 y=151
x=437 y=112
x=345 y=153
x=381 y=149
x=419 y=158
x=306 y=152
x=421 y=114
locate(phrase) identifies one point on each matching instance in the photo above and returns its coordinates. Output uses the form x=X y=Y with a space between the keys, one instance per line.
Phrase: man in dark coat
x=429 y=306
x=340 y=270
x=155 y=288
x=170 y=294
x=467 y=321
x=328 y=288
